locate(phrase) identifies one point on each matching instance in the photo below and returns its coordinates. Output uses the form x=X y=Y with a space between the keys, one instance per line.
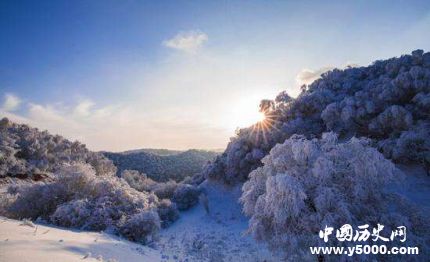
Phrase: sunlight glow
x=261 y=117
x=246 y=119
x=244 y=114
x=260 y=128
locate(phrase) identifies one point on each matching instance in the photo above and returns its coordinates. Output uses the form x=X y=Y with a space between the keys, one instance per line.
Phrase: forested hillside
x=25 y=151
x=332 y=156
x=71 y=186
x=163 y=165
x=388 y=102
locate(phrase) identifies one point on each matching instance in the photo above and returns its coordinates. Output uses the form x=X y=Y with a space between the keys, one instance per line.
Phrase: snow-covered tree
x=138 y=181
x=80 y=198
x=161 y=168
x=186 y=196
x=142 y=227
x=168 y=212
x=381 y=101
x=165 y=190
x=305 y=185
x=28 y=151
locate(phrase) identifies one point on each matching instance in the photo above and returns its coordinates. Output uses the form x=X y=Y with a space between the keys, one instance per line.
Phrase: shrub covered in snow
x=412 y=146
x=388 y=101
x=186 y=196
x=138 y=181
x=141 y=227
x=195 y=180
x=305 y=185
x=27 y=151
x=79 y=198
x=38 y=200
x=168 y=212
x=75 y=213
x=183 y=195
x=165 y=190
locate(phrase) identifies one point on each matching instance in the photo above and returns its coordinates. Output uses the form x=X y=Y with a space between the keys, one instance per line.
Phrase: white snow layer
x=196 y=236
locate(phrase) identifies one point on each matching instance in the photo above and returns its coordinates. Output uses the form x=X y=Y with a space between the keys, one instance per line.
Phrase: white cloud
x=39 y=112
x=194 y=102
x=115 y=127
x=307 y=76
x=351 y=65
x=11 y=103
x=83 y=108
x=188 y=42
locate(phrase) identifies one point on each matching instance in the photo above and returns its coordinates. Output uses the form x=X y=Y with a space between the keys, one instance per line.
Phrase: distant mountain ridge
x=162 y=164
x=155 y=151
x=165 y=152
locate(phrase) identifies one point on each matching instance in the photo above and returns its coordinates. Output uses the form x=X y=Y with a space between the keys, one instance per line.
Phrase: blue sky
x=181 y=74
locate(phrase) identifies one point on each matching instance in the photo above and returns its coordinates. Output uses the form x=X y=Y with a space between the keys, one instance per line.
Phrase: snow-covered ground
x=217 y=236
x=415 y=186
x=196 y=236
x=22 y=243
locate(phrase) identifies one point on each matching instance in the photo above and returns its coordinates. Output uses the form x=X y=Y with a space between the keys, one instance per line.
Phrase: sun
x=243 y=113
x=244 y=117
x=261 y=117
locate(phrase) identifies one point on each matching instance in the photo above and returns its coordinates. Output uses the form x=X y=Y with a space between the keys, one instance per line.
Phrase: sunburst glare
x=244 y=113
x=259 y=129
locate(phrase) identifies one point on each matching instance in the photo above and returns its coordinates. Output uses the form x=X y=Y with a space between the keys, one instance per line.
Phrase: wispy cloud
x=116 y=127
x=307 y=76
x=188 y=42
x=194 y=102
x=83 y=108
x=11 y=103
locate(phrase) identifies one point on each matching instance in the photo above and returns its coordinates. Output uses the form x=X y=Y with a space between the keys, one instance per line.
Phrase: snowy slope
x=22 y=243
x=415 y=186
x=218 y=236
x=196 y=236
